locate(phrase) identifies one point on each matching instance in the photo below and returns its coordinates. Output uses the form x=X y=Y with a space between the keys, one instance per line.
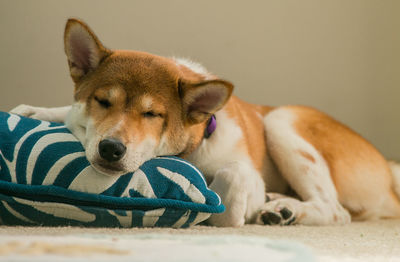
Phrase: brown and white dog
x=284 y=165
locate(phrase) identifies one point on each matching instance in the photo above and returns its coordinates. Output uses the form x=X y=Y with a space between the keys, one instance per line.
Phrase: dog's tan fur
x=133 y=96
x=356 y=166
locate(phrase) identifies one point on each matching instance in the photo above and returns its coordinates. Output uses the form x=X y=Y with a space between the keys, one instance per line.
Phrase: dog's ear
x=202 y=99
x=83 y=49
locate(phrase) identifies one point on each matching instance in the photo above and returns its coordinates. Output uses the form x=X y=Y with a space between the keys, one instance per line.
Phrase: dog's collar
x=211 y=126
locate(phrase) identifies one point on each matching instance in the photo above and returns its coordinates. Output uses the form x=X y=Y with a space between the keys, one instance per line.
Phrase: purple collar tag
x=211 y=126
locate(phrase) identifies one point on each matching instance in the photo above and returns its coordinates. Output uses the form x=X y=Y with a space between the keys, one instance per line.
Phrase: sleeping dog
x=283 y=165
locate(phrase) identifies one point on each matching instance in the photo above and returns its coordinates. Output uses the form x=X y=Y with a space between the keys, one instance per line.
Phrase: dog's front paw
x=30 y=111
x=282 y=217
x=274 y=213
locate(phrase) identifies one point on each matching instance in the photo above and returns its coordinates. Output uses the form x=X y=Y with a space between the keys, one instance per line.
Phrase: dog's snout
x=111 y=149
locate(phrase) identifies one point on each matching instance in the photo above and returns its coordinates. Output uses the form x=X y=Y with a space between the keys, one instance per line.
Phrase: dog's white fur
x=231 y=172
x=195 y=67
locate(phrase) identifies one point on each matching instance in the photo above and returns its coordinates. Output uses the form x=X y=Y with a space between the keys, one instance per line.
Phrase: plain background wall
x=340 y=56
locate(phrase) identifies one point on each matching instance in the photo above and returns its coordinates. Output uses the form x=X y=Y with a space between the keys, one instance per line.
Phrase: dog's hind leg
x=307 y=173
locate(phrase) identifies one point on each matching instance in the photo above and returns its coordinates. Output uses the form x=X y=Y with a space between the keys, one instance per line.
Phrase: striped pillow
x=45 y=179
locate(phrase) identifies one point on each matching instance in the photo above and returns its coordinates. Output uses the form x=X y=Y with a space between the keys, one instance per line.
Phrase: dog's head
x=132 y=106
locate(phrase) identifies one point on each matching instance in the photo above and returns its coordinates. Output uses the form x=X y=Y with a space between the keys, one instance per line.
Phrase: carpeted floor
x=359 y=241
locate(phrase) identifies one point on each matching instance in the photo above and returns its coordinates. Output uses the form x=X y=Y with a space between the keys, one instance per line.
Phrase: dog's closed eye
x=103 y=102
x=151 y=114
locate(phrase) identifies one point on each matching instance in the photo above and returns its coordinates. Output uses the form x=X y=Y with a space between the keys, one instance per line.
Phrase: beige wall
x=340 y=56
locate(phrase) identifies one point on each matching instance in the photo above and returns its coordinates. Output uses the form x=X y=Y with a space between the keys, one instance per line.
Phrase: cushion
x=45 y=179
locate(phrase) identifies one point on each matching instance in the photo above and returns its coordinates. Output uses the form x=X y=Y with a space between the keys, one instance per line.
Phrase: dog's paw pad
x=271 y=218
x=282 y=217
x=286 y=213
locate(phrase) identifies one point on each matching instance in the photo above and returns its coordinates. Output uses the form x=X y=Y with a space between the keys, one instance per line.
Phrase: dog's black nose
x=111 y=149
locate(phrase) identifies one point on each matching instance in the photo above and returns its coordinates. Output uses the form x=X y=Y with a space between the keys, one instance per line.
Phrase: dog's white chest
x=221 y=148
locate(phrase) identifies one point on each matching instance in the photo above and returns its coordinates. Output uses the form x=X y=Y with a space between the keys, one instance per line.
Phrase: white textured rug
x=151 y=248
x=364 y=241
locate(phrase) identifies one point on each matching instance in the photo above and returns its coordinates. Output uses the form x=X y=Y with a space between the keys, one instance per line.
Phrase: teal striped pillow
x=45 y=179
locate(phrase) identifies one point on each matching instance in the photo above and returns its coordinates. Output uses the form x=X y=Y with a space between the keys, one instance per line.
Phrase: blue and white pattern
x=45 y=179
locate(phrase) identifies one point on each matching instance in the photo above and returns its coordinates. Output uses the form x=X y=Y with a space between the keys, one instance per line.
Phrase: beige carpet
x=359 y=241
